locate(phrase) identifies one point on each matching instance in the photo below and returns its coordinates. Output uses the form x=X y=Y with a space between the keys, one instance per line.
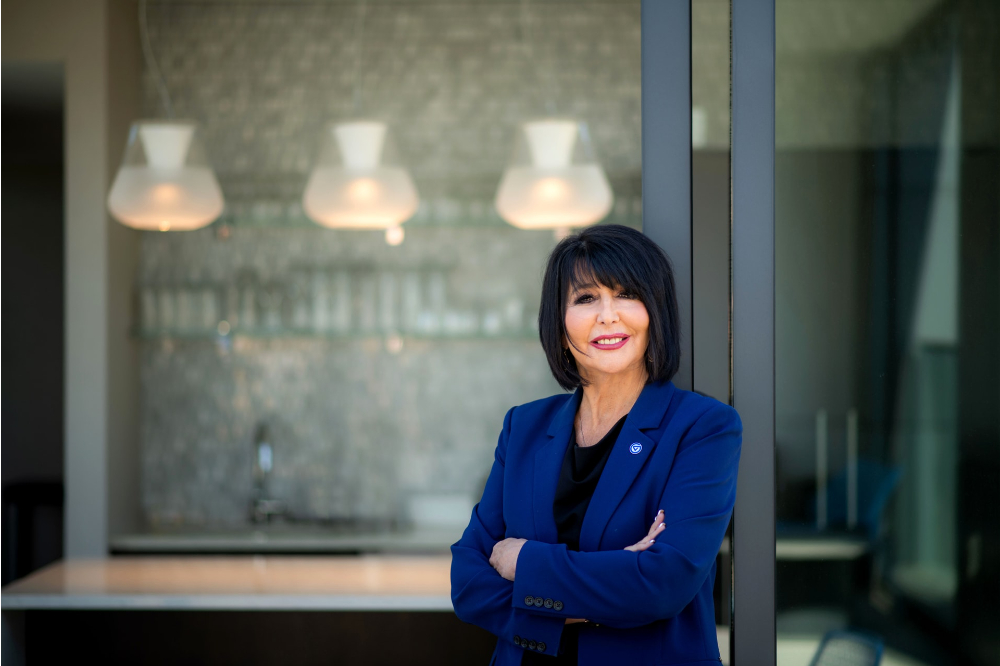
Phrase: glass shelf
x=309 y=334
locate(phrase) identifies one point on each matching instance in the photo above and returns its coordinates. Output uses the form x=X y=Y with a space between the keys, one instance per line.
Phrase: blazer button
x=548 y=603
x=529 y=600
x=541 y=647
x=517 y=639
x=532 y=645
x=557 y=605
x=524 y=642
x=539 y=602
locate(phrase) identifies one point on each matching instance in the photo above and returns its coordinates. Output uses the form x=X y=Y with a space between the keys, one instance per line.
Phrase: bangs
x=592 y=269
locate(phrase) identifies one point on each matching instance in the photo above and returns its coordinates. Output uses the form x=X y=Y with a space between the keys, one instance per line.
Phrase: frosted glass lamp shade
x=356 y=184
x=164 y=182
x=553 y=182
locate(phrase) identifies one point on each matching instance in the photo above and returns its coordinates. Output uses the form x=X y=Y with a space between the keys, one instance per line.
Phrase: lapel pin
x=635 y=448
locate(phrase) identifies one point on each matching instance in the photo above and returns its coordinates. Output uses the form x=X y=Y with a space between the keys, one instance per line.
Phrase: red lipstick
x=616 y=345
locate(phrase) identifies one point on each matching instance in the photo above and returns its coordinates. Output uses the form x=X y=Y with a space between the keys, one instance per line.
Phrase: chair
x=876 y=483
x=848 y=648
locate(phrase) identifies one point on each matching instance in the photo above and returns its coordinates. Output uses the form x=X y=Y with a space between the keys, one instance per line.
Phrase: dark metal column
x=753 y=638
x=666 y=149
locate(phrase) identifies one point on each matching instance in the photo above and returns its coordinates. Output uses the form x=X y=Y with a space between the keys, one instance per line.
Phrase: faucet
x=263 y=507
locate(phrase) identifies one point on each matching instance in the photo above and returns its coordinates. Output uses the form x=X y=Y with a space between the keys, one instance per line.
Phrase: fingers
x=657 y=523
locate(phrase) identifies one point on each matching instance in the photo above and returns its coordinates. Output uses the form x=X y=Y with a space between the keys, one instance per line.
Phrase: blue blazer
x=678 y=451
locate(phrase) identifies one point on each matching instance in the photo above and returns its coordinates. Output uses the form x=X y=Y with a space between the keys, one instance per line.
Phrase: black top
x=581 y=470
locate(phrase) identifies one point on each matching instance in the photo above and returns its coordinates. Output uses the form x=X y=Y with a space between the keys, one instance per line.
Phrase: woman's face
x=608 y=330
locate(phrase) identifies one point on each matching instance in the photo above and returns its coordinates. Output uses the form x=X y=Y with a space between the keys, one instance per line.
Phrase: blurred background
x=278 y=382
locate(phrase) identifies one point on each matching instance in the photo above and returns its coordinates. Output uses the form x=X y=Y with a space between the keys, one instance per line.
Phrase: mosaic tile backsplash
x=380 y=373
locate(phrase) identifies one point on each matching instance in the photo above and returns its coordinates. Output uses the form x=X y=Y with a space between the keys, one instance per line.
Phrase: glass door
x=866 y=304
x=886 y=380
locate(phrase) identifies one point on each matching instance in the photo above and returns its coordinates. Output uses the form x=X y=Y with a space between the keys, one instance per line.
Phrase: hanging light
x=553 y=181
x=164 y=182
x=356 y=185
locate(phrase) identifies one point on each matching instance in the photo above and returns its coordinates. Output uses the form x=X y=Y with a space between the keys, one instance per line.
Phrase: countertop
x=289 y=539
x=371 y=582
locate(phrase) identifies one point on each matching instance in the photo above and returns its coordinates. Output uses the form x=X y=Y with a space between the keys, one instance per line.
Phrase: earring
x=566 y=355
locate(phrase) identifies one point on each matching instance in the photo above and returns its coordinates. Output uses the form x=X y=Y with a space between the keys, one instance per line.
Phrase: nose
x=608 y=313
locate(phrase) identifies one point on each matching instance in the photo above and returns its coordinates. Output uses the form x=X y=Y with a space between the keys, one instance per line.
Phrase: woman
x=560 y=560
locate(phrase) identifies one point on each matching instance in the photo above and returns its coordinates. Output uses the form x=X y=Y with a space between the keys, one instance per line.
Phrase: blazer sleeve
x=479 y=594
x=621 y=588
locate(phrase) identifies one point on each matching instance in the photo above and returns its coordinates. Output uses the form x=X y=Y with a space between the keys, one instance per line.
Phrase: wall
x=100 y=386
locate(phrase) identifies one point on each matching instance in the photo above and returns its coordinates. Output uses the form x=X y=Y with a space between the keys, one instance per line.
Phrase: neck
x=610 y=397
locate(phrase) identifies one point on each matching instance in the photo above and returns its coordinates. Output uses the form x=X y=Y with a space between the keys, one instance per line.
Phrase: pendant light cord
x=359 y=49
x=147 y=51
x=527 y=42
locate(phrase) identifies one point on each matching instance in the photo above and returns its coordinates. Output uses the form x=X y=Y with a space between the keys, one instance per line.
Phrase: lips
x=613 y=341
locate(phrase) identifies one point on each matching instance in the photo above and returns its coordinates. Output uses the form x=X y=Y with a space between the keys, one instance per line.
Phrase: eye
x=627 y=294
x=583 y=298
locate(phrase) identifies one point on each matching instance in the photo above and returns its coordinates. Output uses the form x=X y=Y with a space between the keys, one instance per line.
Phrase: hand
x=504 y=557
x=649 y=539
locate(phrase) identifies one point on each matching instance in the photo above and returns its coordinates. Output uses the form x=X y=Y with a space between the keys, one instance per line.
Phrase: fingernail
x=651 y=542
x=661 y=511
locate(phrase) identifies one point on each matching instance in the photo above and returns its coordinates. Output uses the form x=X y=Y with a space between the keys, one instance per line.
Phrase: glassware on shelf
x=269 y=298
x=209 y=308
x=459 y=322
x=149 y=317
x=185 y=308
x=166 y=305
x=320 y=301
x=492 y=323
x=410 y=300
x=513 y=312
x=437 y=292
x=247 y=290
x=341 y=301
x=387 y=310
x=367 y=302
x=298 y=291
x=231 y=307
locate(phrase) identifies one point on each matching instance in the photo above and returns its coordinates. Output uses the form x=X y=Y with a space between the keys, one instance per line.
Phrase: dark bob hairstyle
x=617 y=257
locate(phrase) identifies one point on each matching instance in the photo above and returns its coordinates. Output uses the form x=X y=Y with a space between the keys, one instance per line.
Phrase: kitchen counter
x=372 y=582
x=289 y=539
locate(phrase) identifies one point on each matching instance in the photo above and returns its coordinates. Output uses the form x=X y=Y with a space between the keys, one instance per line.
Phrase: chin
x=614 y=368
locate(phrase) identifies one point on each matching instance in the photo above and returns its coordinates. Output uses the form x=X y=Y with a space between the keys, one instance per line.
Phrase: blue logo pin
x=635 y=448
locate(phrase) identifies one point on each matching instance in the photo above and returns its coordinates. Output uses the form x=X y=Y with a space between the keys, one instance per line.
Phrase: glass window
x=887 y=268
x=300 y=371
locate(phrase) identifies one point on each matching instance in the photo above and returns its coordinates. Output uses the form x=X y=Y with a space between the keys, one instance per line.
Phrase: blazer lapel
x=628 y=455
x=548 y=462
